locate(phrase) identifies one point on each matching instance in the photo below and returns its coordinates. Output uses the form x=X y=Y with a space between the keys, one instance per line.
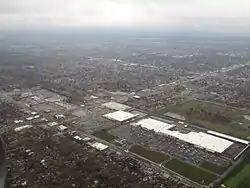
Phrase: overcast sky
x=203 y=14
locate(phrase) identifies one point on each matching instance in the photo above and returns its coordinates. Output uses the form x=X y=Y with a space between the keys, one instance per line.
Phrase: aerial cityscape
x=125 y=94
x=125 y=112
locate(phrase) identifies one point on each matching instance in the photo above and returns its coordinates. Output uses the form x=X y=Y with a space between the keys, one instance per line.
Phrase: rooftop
x=62 y=127
x=22 y=127
x=200 y=139
x=228 y=137
x=99 y=146
x=152 y=124
x=120 y=116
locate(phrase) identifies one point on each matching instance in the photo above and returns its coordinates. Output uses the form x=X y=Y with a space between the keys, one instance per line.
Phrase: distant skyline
x=201 y=15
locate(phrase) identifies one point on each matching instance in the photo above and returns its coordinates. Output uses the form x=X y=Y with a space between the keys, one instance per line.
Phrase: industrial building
x=99 y=146
x=228 y=137
x=155 y=125
x=120 y=116
x=200 y=139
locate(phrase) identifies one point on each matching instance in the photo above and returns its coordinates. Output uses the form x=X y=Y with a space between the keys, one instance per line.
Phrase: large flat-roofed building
x=228 y=137
x=152 y=124
x=99 y=146
x=116 y=106
x=203 y=140
x=200 y=139
x=120 y=116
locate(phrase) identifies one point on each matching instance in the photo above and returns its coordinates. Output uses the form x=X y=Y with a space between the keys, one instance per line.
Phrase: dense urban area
x=108 y=110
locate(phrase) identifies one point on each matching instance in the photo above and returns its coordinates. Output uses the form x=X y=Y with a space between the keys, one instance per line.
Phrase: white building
x=99 y=146
x=22 y=127
x=228 y=137
x=52 y=124
x=203 y=140
x=155 y=125
x=62 y=127
x=120 y=116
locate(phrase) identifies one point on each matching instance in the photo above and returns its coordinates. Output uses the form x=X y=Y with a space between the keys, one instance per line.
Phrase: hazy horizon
x=231 y=16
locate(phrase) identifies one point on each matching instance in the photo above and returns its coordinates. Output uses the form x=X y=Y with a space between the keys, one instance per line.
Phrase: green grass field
x=232 y=127
x=183 y=107
x=213 y=167
x=104 y=135
x=245 y=183
x=149 y=154
x=190 y=171
x=239 y=177
x=222 y=128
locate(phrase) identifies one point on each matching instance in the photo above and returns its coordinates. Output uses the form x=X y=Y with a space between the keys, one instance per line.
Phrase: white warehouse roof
x=120 y=116
x=116 y=106
x=62 y=127
x=229 y=137
x=152 y=124
x=22 y=127
x=82 y=139
x=99 y=146
x=18 y=121
x=203 y=140
x=29 y=118
x=136 y=96
x=51 y=124
x=209 y=142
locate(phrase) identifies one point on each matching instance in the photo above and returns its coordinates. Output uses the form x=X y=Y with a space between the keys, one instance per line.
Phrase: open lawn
x=191 y=172
x=222 y=128
x=104 y=135
x=212 y=116
x=239 y=177
x=245 y=183
x=149 y=154
x=214 y=167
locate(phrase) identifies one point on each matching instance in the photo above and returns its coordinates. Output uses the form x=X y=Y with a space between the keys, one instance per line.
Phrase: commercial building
x=200 y=139
x=99 y=146
x=22 y=127
x=120 y=116
x=228 y=137
x=155 y=125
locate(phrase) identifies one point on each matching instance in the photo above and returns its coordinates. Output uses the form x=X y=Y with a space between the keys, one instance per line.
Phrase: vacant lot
x=212 y=116
x=214 y=167
x=239 y=177
x=149 y=154
x=191 y=172
x=104 y=135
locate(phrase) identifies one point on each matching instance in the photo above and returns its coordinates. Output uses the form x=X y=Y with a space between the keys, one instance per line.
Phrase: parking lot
x=169 y=145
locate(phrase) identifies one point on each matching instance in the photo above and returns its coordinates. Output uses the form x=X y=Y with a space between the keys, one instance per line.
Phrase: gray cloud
x=126 y=13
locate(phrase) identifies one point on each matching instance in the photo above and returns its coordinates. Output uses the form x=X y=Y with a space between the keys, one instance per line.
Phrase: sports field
x=149 y=154
x=212 y=116
x=239 y=177
x=104 y=135
x=191 y=172
x=213 y=167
